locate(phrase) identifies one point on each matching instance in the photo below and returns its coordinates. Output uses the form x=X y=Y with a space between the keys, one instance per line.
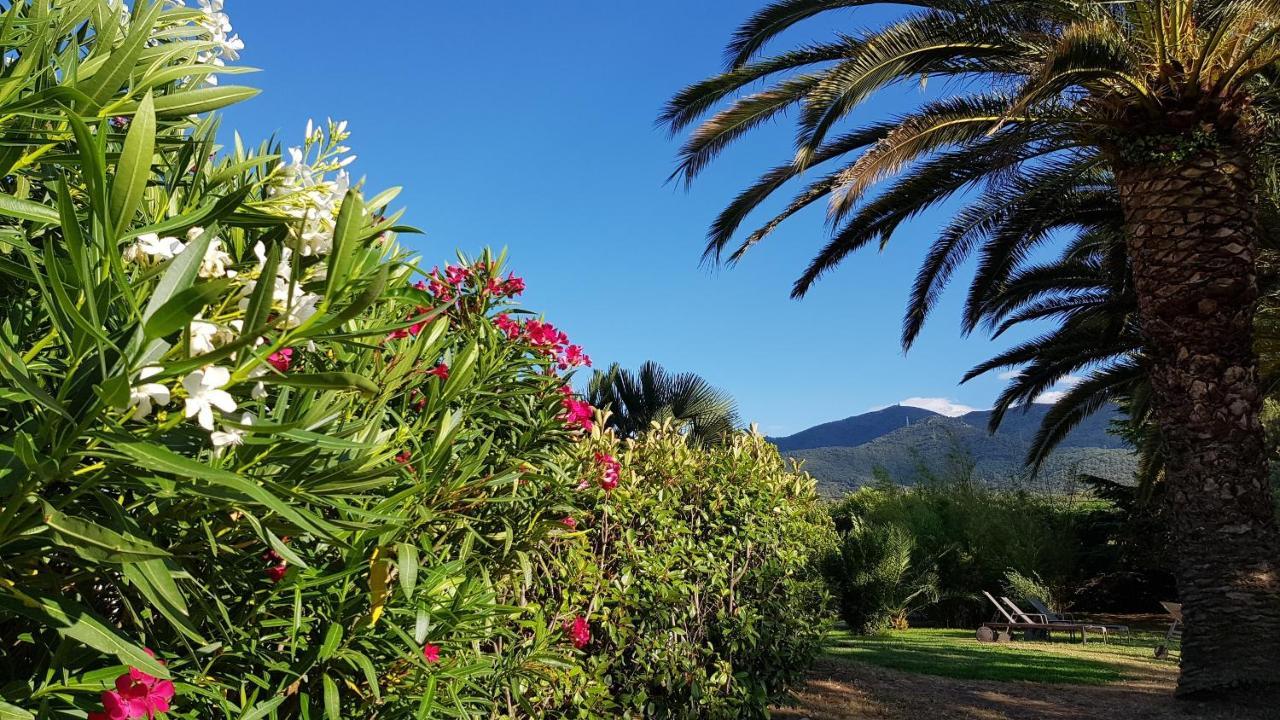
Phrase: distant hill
x=910 y=444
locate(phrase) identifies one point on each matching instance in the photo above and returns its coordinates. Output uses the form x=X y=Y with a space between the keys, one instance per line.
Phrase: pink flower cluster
x=414 y=329
x=610 y=469
x=579 y=632
x=577 y=413
x=546 y=338
x=457 y=279
x=137 y=695
x=441 y=370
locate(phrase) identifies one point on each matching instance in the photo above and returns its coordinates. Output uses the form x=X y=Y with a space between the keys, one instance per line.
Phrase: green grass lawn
x=956 y=654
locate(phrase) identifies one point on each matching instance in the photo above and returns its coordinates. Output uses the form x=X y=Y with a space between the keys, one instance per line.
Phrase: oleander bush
x=692 y=576
x=253 y=461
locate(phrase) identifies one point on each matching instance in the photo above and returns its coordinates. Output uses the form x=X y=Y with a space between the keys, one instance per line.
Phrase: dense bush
x=247 y=469
x=970 y=536
x=695 y=579
x=876 y=579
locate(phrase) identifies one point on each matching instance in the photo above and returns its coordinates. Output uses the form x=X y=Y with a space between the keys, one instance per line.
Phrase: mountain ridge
x=912 y=444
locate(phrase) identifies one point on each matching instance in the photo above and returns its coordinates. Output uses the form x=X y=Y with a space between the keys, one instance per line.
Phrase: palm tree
x=1168 y=97
x=652 y=395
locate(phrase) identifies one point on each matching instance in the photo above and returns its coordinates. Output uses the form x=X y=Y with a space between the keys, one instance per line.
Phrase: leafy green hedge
x=695 y=577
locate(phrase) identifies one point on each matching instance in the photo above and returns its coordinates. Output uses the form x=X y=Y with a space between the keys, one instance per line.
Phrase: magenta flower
x=431 y=653
x=513 y=285
x=577 y=413
x=508 y=326
x=137 y=695
x=456 y=275
x=441 y=371
x=579 y=632
x=277 y=572
x=281 y=359
x=569 y=522
x=420 y=285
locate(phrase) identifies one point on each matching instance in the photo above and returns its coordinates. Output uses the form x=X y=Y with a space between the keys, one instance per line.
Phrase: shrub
x=875 y=578
x=695 y=584
x=972 y=535
x=247 y=468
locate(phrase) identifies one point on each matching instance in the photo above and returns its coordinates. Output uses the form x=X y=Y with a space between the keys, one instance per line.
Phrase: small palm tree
x=1169 y=97
x=637 y=400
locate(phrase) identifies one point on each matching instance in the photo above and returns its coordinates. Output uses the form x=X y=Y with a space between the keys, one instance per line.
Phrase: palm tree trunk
x=1192 y=238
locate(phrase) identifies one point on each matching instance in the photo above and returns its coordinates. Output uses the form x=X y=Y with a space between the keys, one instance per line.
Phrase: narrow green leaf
x=27 y=210
x=95 y=542
x=345 y=235
x=180 y=274
x=194 y=102
x=180 y=309
x=407 y=563
x=332 y=637
x=13 y=712
x=332 y=706
x=160 y=459
x=134 y=167
x=324 y=381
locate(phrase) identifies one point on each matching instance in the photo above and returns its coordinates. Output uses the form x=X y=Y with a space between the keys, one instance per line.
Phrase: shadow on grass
x=956 y=654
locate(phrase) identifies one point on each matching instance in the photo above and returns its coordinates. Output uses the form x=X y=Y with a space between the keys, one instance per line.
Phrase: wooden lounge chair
x=1175 y=628
x=1051 y=617
x=1003 y=625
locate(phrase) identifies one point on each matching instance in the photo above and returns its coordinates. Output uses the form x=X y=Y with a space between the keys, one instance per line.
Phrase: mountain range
x=908 y=444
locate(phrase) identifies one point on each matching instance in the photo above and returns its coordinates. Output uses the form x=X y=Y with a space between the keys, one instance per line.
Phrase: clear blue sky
x=530 y=125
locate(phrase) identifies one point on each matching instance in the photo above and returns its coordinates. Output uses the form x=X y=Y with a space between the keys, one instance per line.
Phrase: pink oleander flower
x=579 y=632
x=277 y=572
x=508 y=326
x=577 y=413
x=545 y=335
x=569 y=522
x=494 y=287
x=420 y=285
x=137 y=695
x=416 y=328
x=574 y=357
x=441 y=370
x=443 y=292
x=513 y=285
x=400 y=334
x=271 y=556
x=456 y=275
x=403 y=457
x=610 y=469
x=431 y=653
x=281 y=359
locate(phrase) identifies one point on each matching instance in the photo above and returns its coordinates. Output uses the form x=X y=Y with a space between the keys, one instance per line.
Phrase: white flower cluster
x=217 y=25
x=151 y=249
x=304 y=191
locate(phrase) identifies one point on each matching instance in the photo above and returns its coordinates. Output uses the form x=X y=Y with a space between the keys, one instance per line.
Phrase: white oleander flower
x=302 y=308
x=150 y=247
x=204 y=336
x=216 y=260
x=143 y=397
x=204 y=393
x=229 y=436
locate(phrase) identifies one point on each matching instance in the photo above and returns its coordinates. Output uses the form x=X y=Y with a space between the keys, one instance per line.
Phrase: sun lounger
x=1003 y=625
x=1052 y=617
x=1175 y=628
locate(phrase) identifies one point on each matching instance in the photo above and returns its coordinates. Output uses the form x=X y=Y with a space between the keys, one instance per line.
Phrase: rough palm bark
x=1193 y=236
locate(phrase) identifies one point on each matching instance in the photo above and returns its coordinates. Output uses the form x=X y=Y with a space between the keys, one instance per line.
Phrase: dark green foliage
x=972 y=535
x=875 y=578
x=637 y=400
